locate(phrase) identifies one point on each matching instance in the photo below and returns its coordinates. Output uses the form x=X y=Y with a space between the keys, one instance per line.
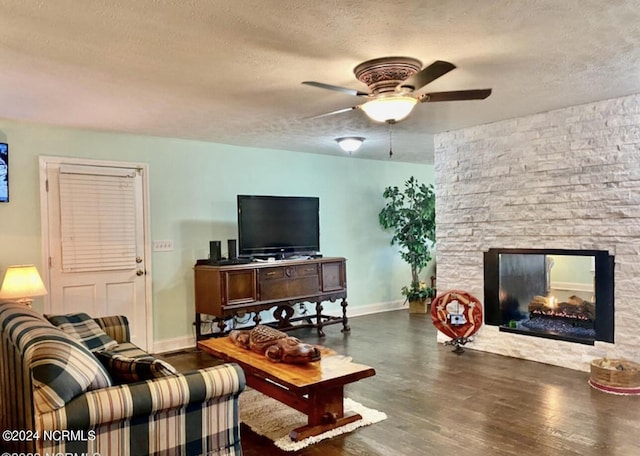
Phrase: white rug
x=274 y=420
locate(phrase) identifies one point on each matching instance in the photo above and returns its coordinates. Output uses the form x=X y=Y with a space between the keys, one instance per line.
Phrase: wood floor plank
x=477 y=403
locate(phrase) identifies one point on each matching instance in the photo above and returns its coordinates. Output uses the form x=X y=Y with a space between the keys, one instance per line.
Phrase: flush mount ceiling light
x=350 y=143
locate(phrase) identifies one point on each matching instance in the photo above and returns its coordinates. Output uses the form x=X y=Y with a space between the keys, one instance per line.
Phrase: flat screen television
x=278 y=226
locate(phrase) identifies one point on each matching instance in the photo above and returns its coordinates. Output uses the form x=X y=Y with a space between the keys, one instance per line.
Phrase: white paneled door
x=96 y=241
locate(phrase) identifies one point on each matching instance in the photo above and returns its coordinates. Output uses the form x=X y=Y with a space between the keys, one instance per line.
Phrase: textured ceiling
x=230 y=71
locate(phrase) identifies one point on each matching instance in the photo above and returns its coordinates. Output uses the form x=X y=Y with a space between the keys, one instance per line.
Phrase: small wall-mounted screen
x=4 y=173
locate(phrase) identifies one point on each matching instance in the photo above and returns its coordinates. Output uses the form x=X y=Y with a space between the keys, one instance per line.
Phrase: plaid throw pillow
x=127 y=370
x=82 y=327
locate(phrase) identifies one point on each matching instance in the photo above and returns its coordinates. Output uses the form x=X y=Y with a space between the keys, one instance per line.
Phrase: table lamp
x=21 y=283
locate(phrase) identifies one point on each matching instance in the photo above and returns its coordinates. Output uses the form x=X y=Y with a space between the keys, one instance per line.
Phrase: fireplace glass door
x=553 y=294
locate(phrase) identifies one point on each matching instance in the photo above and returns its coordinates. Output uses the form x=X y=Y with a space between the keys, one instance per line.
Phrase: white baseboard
x=571 y=286
x=176 y=343
x=181 y=343
x=358 y=311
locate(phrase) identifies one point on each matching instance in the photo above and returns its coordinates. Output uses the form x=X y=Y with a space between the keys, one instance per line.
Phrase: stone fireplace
x=559 y=181
x=556 y=294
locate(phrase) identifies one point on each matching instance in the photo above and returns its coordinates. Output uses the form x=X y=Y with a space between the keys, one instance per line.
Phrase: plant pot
x=420 y=306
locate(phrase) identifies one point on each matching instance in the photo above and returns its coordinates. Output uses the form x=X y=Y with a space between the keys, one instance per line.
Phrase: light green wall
x=572 y=269
x=193 y=188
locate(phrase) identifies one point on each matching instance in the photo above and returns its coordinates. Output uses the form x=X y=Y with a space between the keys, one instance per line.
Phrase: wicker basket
x=615 y=372
x=420 y=306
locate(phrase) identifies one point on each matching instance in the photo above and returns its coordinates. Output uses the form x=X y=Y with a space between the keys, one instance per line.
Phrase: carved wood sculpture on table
x=458 y=315
x=275 y=345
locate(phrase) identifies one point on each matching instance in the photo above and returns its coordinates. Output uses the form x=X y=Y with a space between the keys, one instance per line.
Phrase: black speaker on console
x=214 y=251
x=232 y=252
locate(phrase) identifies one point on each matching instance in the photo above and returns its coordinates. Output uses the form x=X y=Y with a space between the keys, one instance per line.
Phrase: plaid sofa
x=57 y=397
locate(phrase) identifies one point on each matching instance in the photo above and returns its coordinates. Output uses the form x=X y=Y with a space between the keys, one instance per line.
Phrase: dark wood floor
x=440 y=403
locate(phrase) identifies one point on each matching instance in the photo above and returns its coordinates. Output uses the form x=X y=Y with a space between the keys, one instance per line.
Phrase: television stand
x=232 y=291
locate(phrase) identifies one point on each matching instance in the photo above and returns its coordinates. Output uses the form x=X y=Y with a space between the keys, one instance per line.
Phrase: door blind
x=98 y=219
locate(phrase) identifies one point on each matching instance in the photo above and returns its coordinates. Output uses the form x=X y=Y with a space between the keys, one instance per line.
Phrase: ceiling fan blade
x=339 y=111
x=455 y=95
x=322 y=85
x=426 y=75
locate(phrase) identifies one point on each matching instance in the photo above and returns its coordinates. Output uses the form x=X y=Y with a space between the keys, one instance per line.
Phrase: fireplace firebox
x=553 y=293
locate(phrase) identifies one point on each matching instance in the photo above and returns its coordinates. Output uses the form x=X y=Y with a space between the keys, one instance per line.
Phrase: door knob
x=139 y=272
x=138 y=260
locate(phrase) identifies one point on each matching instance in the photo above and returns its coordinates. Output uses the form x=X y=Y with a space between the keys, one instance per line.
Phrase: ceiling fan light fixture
x=392 y=108
x=350 y=143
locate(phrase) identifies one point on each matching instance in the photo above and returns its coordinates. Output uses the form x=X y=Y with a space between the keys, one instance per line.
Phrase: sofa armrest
x=123 y=402
x=116 y=327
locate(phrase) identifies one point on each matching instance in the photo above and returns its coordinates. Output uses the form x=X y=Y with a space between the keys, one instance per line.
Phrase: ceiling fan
x=392 y=82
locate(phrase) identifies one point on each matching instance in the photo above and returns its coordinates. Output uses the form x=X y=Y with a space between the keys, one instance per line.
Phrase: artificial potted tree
x=410 y=214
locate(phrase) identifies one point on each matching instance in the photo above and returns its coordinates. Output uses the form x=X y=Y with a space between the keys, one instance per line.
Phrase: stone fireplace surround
x=564 y=179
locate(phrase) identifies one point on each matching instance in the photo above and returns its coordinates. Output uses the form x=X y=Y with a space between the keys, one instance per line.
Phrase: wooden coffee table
x=315 y=389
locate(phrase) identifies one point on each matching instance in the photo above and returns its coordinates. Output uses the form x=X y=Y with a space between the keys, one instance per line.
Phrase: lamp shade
x=22 y=283
x=350 y=143
x=391 y=108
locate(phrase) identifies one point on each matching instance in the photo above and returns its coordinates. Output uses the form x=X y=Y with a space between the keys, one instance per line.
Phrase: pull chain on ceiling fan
x=390 y=138
x=392 y=82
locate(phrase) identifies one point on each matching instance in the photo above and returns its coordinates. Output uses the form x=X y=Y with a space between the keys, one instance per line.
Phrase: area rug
x=274 y=420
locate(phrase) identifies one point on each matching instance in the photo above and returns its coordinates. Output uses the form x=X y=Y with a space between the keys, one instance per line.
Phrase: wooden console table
x=315 y=389
x=229 y=291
